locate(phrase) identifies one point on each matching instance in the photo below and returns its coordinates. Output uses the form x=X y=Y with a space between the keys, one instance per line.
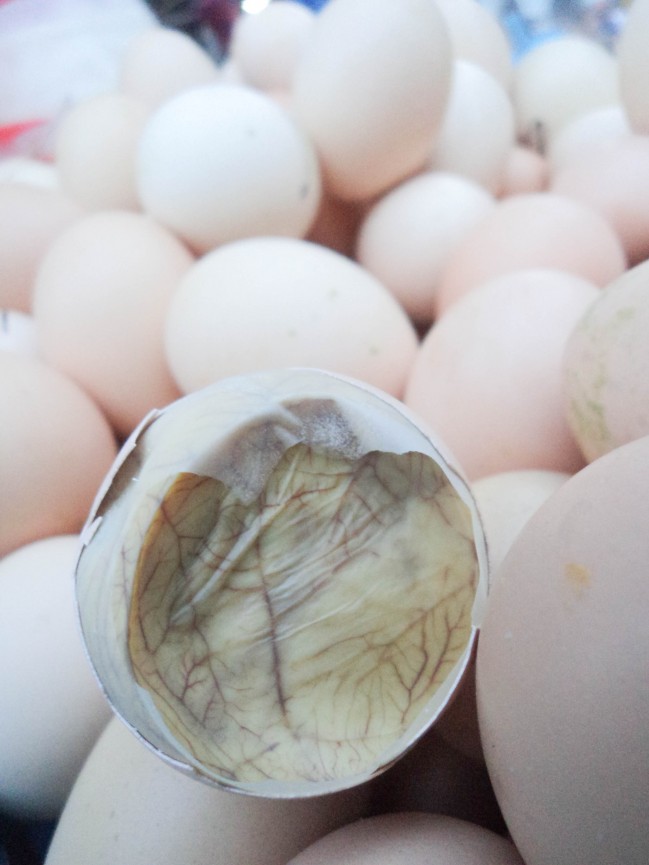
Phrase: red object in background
x=11 y=132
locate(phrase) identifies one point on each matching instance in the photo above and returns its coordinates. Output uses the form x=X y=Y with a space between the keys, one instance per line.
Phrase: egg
x=128 y=806
x=52 y=709
x=410 y=838
x=370 y=90
x=559 y=79
x=585 y=133
x=160 y=62
x=30 y=218
x=224 y=161
x=262 y=303
x=95 y=147
x=487 y=376
x=26 y=169
x=525 y=171
x=17 y=332
x=535 y=230
x=407 y=235
x=100 y=301
x=631 y=53
x=605 y=367
x=562 y=686
x=55 y=447
x=479 y=110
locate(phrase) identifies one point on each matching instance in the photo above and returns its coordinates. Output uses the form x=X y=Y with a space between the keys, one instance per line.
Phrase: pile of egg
x=376 y=190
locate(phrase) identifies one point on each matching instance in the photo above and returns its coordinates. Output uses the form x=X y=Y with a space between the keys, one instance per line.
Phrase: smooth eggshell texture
x=370 y=90
x=478 y=36
x=632 y=51
x=263 y=303
x=525 y=171
x=559 y=79
x=562 y=686
x=27 y=169
x=30 y=218
x=18 y=332
x=479 y=110
x=536 y=230
x=96 y=145
x=55 y=448
x=161 y=62
x=410 y=838
x=487 y=377
x=614 y=180
x=267 y=46
x=407 y=236
x=585 y=133
x=129 y=806
x=225 y=161
x=52 y=709
x=100 y=302
x=606 y=367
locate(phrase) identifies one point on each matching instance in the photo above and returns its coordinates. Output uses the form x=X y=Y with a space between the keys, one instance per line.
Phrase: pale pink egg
x=614 y=180
x=96 y=145
x=55 y=448
x=487 y=377
x=408 y=235
x=535 y=230
x=100 y=302
x=525 y=171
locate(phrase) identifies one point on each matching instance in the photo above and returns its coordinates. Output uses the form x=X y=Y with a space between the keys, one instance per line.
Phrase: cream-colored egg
x=585 y=133
x=267 y=46
x=559 y=79
x=161 y=62
x=477 y=35
x=535 y=230
x=263 y=303
x=55 y=448
x=408 y=235
x=606 y=367
x=525 y=171
x=30 y=218
x=410 y=838
x=479 y=111
x=614 y=180
x=18 y=332
x=128 y=806
x=221 y=162
x=371 y=89
x=100 y=302
x=96 y=145
x=562 y=685
x=487 y=377
x=52 y=709
x=631 y=52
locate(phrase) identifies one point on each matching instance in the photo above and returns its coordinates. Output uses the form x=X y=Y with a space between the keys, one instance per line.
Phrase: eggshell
x=410 y=839
x=562 y=686
x=606 y=367
x=161 y=62
x=128 y=806
x=370 y=90
x=224 y=161
x=631 y=53
x=17 y=332
x=263 y=303
x=536 y=230
x=477 y=35
x=585 y=133
x=52 y=710
x=30 y=218
x=407 y=236
x=487 y=376
x=525 y=171
x=614 y=180
x=100 y=301
x=95 y=148
x=267 y=46
x=55 y=447
x=559 y=79
x=25 y=169
x=478 y=110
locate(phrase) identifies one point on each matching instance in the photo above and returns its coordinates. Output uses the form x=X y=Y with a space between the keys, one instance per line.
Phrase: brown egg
x=30 y=218
x=562 y=685
x=487 y=377
x=537 y=230
x=96 y=145
x=100 y=301
x=55 y=448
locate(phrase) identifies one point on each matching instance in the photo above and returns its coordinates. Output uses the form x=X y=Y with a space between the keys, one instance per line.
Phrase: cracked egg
x=281 y=581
